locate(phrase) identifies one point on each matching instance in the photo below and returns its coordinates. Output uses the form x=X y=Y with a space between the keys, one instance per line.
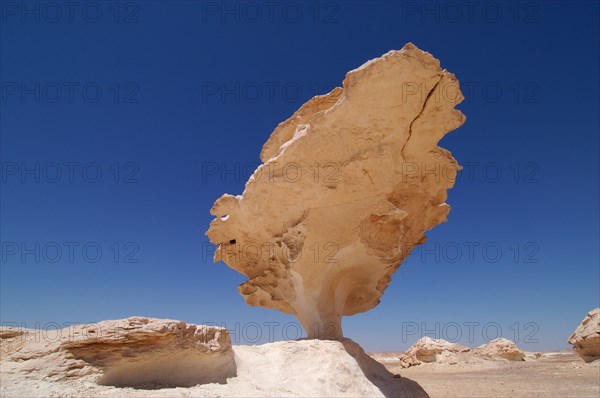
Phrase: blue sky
x=120 y=126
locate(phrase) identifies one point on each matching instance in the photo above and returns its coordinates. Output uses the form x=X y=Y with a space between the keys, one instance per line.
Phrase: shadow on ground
x=389 y=384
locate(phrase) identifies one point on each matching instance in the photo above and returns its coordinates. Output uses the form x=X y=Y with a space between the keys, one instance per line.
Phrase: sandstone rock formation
x=586 y=338
x=348 y=186
x=7 y=332
x=157 y=357
x=501 y=348
x=427 y=349
x=135 y=352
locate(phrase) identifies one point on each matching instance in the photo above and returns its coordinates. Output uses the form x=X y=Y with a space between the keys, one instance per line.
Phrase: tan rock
x=586 y=338
x=501 y=348
x=135 y=352
x=8 y=332
x=348 y=186
x=427 y=350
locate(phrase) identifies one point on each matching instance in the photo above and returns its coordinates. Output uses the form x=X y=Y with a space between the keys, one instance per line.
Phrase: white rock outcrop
x=501 y=348
x=144 y=357
x=134 y=352
x=586 y=338
x=427 y=350
x=347 y=188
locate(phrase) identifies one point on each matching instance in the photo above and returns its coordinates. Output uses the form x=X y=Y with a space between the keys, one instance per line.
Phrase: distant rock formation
x=427 y=349
x=501 y=348
x=586 y=338
x=348 y=186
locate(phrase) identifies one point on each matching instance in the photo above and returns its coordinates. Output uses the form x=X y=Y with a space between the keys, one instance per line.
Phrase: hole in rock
x=185 y=368
x=232 y=242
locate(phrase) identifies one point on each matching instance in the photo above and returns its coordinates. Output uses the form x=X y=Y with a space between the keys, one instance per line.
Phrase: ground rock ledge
x=146 y=357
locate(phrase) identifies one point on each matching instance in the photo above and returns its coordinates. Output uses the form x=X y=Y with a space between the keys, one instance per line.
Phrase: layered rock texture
x=145 y=357
x=348 y=186
x=428 y=350
x=133 y=352
x=501 y=348
x=586 y=338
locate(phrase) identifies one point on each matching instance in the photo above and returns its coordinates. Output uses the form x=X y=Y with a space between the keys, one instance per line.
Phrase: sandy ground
x=561 y=374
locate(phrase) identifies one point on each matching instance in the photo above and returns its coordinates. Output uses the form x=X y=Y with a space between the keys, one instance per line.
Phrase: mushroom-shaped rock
x=347 y=188
x=500 y=348
x=427 y=349
x=586 y=338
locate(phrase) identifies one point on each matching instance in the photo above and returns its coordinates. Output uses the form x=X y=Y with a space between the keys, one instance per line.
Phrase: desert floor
x=561 y=374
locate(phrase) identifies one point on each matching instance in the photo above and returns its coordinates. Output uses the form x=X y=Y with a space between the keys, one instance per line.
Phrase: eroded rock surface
x=427 y=350
x=142 y=357
x=348 y=186
x=133 y=352
x=501 y=348
x=439 y=351
x=7 y=332
x=586 y=338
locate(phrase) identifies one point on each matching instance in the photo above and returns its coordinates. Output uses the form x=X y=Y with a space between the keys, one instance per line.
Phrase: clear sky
x=120 y=126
